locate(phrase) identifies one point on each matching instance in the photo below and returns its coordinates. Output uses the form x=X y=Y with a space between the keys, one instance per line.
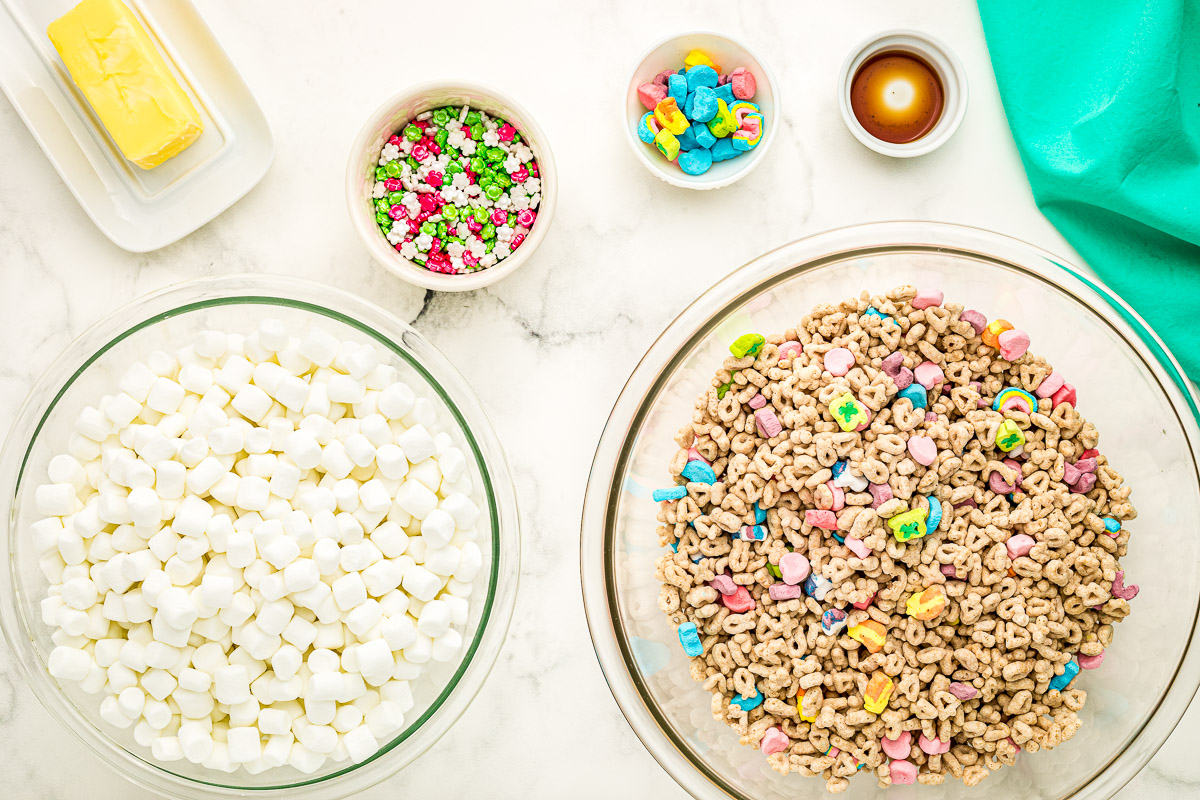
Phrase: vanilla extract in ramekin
x=902 y=93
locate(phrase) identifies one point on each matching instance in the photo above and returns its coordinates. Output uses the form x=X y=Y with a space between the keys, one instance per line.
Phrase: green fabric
x=1103 y=98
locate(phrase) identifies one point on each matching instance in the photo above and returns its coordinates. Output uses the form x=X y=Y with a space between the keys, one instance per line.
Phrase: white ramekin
x=949 y=69
x=729 y=54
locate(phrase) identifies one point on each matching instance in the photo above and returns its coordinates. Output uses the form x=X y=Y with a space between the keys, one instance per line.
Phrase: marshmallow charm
x=848 y=413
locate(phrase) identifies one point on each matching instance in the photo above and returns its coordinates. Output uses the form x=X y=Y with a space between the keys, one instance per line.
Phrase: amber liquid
x=897 y=97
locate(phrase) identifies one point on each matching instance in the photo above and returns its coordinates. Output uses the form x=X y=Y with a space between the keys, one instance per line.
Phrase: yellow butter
x=117 y=67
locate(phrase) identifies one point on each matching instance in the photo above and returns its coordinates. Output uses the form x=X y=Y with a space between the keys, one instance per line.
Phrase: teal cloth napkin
x=1103 y=98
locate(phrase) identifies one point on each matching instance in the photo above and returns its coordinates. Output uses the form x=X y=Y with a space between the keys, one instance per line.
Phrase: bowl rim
x=400 y=266
x=929 y=142
x=682 y=179
x=597 y=552
x=336 y=305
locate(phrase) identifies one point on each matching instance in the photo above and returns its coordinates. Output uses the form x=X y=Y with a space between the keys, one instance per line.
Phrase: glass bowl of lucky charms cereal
x=1128 y=386
x=425 y=696
x=672 y=54
x=495 y=195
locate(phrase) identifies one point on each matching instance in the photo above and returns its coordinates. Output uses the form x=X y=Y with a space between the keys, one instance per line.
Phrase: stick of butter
x=116 y=66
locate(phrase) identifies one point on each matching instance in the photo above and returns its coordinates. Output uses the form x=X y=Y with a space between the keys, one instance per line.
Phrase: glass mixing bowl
x=169 y=319
x=1128 y=385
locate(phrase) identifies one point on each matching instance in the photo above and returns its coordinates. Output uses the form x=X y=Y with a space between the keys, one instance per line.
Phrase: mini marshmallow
x=234 y=374
x=470 y=560
x=301 y=574
x=65 y=468
x=357 y=557
x=459 y=608
x=437 y=528
x=165 y=396
x=391 y=462
x=166 y=749
x=303 y=449
x=176 y=608
x=268 y=375
x=374 y=496
x=231 y=684
x=426 y=473
x=285 y=479
x=196 y=379
x=319 y=347
x=258 y=440
x=274 y=616
x=434 y=619
x=137 y=381
x=131 y=701
x=441 y=561
x=417 y=444
x=416 y=499
x=375 y=428
x=170 y=480
x=335 y=461
x=349 y=591
x=300 y=632
x=326 y=686
x=69 y=663
x=273 y=721
x=281 y=552
x=194 y=680
x=362 y=361
x=391 y=539
x=420 y=651
x=385 y=719
x=345 y=389
x=158 y=683
x=245 y=744
x=396 y=401
x=55 y=500
x=421 y=583
x=363 y=617
x=452 y=463
x=252 y=402
x=326 y=555
x=195 y=741
x=361 y=744
x=375 y=661
x=122 y=410
x=292 y=392
x=253 y=494
x=382 y=577
x=204 y=475
x=345 y=492
x=463 y=509
x=347 y=718
x=79 y=593
x=93 y=424
x=447 y=647
x=145 y=507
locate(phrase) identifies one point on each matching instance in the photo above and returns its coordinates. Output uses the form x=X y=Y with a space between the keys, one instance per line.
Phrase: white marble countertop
x=625 y=255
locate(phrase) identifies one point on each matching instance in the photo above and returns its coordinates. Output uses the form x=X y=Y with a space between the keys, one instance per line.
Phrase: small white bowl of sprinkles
x=451 y=186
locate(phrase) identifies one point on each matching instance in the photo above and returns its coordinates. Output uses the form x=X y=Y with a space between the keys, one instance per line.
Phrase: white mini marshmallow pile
x=253 y=548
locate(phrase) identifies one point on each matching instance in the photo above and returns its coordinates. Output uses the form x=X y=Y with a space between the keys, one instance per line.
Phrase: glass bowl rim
x=322 y=301
x=597 y=549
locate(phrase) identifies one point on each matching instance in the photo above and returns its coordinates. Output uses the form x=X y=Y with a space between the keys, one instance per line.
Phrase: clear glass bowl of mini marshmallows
x=261 y=537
